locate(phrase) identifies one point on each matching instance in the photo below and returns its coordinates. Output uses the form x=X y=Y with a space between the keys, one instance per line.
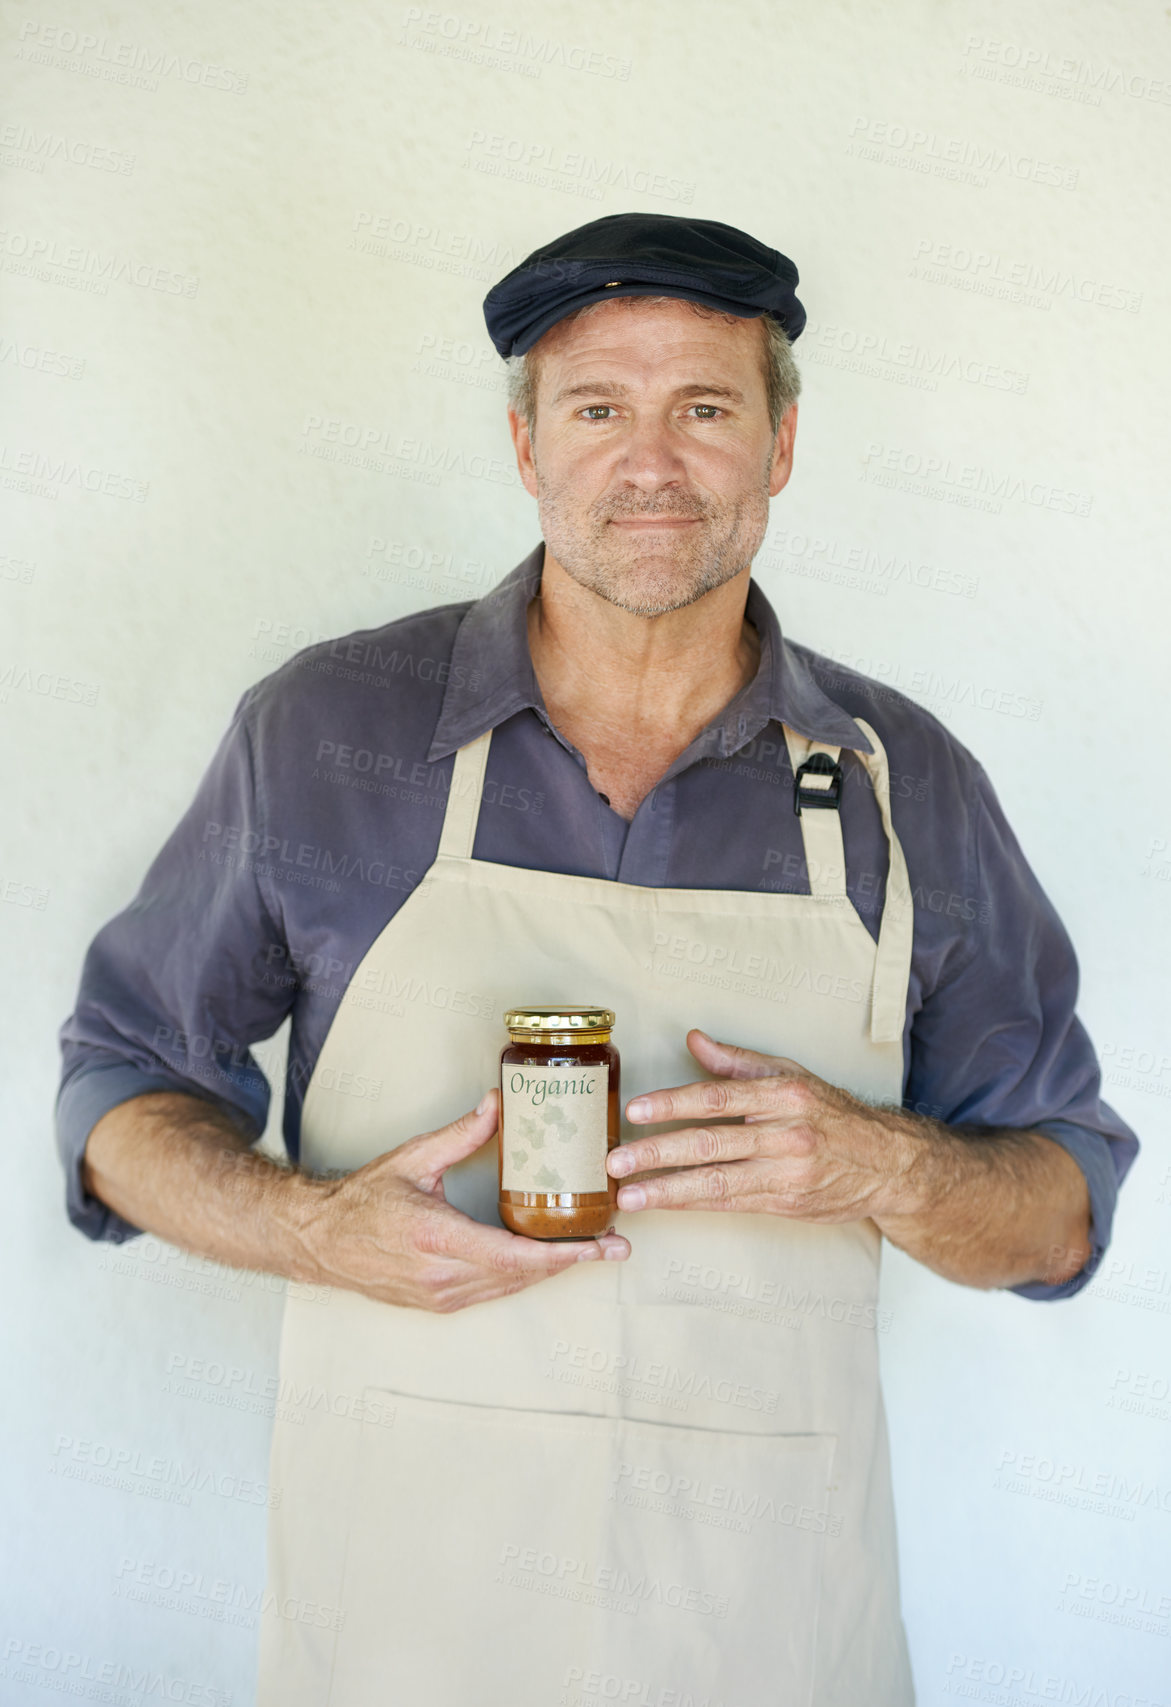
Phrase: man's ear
x=522 y=442
x=782 y=462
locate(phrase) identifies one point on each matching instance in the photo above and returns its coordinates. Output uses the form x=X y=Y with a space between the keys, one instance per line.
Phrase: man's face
x=652 y=459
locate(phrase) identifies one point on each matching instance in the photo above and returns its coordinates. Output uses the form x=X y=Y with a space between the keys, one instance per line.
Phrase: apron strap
x=892 y=961
x=821 y=826
x=463 y=799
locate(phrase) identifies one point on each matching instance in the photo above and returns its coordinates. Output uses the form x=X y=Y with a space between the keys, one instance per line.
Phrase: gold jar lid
x=561 y=1019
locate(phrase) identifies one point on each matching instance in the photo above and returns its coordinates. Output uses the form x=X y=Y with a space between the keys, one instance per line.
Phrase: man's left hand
x=982 y=1206
x=799 y=1146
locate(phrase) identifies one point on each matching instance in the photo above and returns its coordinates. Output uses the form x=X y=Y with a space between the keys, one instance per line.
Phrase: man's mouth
x=653 y=521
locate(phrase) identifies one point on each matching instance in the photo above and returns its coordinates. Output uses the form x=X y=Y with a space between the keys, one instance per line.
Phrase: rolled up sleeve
x=176 y=988
x=998 y=1042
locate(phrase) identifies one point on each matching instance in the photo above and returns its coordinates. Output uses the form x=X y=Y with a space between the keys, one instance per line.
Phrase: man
x=611 y=779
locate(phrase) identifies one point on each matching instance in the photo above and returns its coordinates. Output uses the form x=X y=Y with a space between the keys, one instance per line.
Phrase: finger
x=779 y=1094
x=493 y=1250
x=742 y=1186
x=474 y=1285
x=458 y=1271
x=694 y=1146
x=729 y=1061
x=423 y=1160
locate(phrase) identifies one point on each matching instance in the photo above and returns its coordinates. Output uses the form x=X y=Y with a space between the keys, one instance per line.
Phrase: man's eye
x=598 y=411
x=712 y=411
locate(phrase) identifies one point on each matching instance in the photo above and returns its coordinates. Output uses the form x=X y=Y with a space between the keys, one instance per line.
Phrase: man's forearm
x=175 y=1166
x=989 y=1206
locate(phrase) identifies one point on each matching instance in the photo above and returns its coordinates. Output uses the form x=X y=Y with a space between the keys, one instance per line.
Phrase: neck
x=631 y=692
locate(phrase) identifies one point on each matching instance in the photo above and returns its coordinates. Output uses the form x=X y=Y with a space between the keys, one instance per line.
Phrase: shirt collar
x=492 y=678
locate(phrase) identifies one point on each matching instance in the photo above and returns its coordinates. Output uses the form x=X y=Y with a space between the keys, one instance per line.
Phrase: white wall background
x=227 y=226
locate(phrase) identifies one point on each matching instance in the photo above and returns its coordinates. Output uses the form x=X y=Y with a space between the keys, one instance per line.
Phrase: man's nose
x=651 y=454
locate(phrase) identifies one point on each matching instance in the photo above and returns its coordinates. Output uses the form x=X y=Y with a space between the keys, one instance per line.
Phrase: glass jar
x=558 y=1122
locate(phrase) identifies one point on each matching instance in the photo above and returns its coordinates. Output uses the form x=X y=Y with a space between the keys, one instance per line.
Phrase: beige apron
x=665 y=1475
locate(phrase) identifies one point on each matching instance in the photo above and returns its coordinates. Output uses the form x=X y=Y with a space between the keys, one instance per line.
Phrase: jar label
x=554 y=1128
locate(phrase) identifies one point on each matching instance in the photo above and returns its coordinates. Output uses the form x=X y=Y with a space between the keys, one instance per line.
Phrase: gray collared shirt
x=321 y=810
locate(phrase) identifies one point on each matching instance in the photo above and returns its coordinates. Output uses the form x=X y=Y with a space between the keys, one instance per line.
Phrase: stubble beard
x=616 y=565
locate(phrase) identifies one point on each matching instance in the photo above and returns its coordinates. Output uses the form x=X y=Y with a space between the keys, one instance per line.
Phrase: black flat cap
x=641 y=254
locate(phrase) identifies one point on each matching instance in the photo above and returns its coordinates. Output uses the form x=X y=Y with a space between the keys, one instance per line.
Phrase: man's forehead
x=633 y=333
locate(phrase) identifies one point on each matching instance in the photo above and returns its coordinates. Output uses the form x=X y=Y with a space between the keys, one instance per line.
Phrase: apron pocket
x=544 y=1559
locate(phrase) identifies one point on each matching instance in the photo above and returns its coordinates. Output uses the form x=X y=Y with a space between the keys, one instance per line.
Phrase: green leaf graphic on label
x=532 y=1129
x=519 y=1158
x=547 y=1180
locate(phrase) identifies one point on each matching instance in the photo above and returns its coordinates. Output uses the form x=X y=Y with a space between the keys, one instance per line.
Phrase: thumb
x=729 y=1061
x=427 y=1157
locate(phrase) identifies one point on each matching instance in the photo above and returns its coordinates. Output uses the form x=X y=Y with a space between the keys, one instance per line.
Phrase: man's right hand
x=388 y=1230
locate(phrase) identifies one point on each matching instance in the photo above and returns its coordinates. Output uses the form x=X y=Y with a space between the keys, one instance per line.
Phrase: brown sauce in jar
x=559 y=1102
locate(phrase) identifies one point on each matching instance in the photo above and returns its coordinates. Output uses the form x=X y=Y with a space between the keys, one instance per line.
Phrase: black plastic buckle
x=820 y=764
